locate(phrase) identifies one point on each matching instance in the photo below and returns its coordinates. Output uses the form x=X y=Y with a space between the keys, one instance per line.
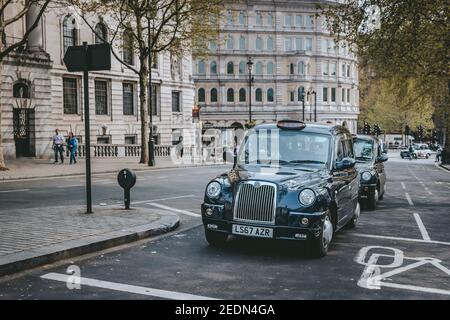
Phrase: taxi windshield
x=275 y=148
x=363 y=150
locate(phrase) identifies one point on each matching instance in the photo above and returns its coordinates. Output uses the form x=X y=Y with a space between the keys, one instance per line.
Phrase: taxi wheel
x=319 y=246
x=354 y=221
x=215 y=238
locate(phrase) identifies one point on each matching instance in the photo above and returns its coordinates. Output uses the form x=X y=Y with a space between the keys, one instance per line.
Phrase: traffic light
x=376 y=130
x=302 y=94
x=435 y=136
x=366 y=129
x=420 y=133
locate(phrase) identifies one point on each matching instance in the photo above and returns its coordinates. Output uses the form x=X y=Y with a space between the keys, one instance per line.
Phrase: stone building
x=38 y=94
x=292 y=52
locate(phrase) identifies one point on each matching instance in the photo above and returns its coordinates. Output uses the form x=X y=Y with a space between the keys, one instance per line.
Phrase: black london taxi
x=370 y=160
x=291 y=180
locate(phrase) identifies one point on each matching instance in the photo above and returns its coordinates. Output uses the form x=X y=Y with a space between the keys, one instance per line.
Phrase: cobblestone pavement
x=27 y=229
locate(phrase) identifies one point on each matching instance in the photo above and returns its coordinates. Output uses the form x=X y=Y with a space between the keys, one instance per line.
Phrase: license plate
x=252 y=231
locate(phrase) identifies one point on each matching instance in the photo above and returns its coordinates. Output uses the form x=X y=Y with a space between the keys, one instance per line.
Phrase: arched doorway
x=23 y=120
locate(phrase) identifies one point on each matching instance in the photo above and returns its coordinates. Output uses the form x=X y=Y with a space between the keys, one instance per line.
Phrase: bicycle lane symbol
x=376 y=275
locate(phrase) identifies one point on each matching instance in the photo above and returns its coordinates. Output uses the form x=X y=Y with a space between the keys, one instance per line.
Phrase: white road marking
x=372 y=276
x=70 y=186
x=409 y=199
x=438 y=182
x=126 y=287
x=14 y=190
x=400 y=239
x=161 y=206
x=164 y=199
x=422 y=228
x=403 y=185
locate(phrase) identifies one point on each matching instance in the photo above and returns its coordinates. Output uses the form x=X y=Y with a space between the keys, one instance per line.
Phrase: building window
x=130 y=139
x=288 y=20
x=128 y=99
x=258 y=69
x=343 y=94
x=241 y=18
x=213 y=95
x=299 y=44
x=230 y=42
x=201 y=95
x=230 y=68
x=270 y=95
x=287 y=44
x=213 y=67
x=155 y=99
x=348 y=95
x=230 y=95
x=299 y=21
x=201 y=67
x=270 y=68
x=348 y=71
x=270 y=45
x=292 y=96
x=70 y=95
x=333 y=94
x=21 y=90
x=259 y=43
x=128 y=46
x=176 y=103
x=242 y=43
x=310 y=21
x=242 y=95
x=324 y=68
x=291 y=68
x=333 y=69
x=101 y=97
x=270 y=19
x=343 y=70
x=301 y=68
x=242 y=67
x=101 y=33
x=212 y=45
x=258 y=95
x=259 y=19
x=104 y=140
x=230 y=17
x=325 y=94
x=69 y=32
x=309 y=44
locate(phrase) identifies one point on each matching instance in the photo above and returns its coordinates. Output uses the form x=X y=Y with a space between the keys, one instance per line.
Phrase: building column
x=35 y=38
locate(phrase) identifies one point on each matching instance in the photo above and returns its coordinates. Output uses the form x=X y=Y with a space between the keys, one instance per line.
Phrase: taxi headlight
x=213 y=189
x=307 y=197
x=366 y=176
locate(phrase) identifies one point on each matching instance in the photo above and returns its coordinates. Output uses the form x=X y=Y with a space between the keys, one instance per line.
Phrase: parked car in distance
x=422 y=150
x=291 y=181
x=370 y=160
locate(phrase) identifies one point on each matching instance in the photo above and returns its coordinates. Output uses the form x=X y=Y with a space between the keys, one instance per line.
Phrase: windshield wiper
x=363 y=158
x=307 y=161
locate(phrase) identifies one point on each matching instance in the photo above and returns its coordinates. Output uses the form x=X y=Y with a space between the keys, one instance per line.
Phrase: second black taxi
x=370 y=158
x=291 y=180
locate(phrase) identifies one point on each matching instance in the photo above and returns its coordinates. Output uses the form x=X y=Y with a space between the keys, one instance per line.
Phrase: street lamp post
x=312 y=92
x=250 y=80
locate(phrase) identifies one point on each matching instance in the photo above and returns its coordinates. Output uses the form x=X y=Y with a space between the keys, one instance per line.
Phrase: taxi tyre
x=318 y=247
x=354 y=221
x=215 y=239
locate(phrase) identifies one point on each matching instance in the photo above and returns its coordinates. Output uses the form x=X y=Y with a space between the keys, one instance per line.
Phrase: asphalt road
x=399 y=251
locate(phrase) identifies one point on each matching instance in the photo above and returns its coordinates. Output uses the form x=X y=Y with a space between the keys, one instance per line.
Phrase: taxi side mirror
x=382 y=158
x=346 y=163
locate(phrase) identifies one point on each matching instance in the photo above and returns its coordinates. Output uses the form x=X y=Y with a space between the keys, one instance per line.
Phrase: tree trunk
x=2 y=159
x=143 y=80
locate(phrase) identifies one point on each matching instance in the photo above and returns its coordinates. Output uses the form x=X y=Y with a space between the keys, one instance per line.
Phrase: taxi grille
x=255 y=202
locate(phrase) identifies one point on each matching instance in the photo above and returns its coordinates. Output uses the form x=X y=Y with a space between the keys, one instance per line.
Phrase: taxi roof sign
x=291 y=125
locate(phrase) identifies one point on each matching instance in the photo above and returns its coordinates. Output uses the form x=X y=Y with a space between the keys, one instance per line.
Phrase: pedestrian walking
x=439 y=154
x=72 y=146
x=58 y=146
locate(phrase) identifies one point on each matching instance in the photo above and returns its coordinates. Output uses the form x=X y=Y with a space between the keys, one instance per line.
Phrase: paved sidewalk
x=33 y=237
x=38 y=168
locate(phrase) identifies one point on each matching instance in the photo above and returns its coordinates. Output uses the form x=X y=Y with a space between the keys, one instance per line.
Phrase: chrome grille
x=255 y=202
